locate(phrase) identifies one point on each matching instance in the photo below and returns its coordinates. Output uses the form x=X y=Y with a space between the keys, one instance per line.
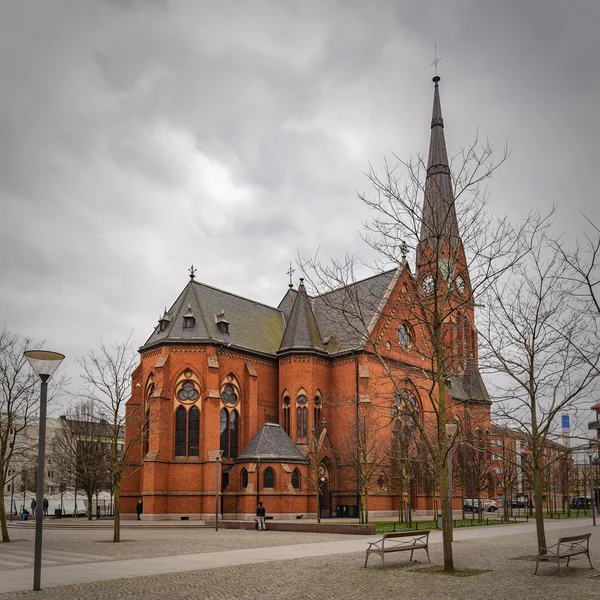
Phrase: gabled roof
x=252 y=325
x=302 y=331
x=470 y=386
x=271 y=444
x=346 y=316
x=438 y=222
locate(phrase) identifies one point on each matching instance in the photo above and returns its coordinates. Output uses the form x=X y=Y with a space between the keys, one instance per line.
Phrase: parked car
x=521 y=503
x=472 y=505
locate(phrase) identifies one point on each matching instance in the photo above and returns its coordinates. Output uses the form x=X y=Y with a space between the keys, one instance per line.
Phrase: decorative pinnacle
x=192 y=272
x=435 y=62
x=290 y=272
x=403 y=251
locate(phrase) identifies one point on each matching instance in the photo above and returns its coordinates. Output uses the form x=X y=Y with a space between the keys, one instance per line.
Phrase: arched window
x=286 y=414
x=269 y=478
x=149 y=392
x=404 y=335
x=296 y=479
x=193 y=431
x=465 y=338
x=233 y=434
x=228 y=433
x=244 y=478
x=224 y=431
x=317 y=414
x=180 y=423
x=302 y=424
x=459 y=347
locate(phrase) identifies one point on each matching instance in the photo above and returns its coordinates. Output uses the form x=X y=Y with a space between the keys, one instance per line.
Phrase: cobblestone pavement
x=505 y=573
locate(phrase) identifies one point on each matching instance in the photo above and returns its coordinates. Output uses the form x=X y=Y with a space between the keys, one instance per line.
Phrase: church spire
x=438 y=223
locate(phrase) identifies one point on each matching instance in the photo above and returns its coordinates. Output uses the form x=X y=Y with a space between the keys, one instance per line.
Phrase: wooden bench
x=399 y=542
x=566 y=547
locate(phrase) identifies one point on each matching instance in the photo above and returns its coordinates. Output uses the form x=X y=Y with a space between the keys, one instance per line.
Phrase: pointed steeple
x=301 y=331
x=439 y=223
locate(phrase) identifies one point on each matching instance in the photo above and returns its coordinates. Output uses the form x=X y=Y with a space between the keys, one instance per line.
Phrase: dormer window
x=189 y=320
x=163 y=322
x=222 y=323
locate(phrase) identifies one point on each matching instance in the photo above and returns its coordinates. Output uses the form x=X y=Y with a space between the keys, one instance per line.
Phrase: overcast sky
x=137 y=138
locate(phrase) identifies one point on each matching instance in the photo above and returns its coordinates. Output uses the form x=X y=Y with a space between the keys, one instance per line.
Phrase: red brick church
x=285 y=392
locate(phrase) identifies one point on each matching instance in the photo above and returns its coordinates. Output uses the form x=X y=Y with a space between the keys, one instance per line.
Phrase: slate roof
x=438 y=221
x=342 y=329
x=321 y=324
x=271 y=444
x=252 y=325
x=301 y=331
x=287 y=302
x=470 y=386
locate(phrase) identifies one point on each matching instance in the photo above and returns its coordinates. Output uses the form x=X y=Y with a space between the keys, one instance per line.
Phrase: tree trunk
x=318 y=505
x=5 y=536
x=90 y=497
x=539 y=511
x=117 y=520
x=442 y=454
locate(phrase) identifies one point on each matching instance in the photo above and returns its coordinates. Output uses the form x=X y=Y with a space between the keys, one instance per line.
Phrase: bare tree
x=460 y=252
x=18 y=401
x=363 y=451
x=81 y=447
x=107 y=374
x=406 y=464
x=535 y=338
x=318 y=448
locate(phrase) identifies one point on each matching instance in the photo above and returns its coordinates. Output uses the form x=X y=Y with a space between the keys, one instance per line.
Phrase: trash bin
x=58 y=513
x=353 y=510
x=438 y=522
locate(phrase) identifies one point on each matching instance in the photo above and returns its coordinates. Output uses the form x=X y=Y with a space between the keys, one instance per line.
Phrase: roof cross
x=192 y=272
x=290 y=272
x=436 y=60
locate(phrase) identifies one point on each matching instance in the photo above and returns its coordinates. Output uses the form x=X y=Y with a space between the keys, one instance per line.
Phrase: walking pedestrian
x=260 y=517
x=45 y=506
x=139 y=509
x=33 y=505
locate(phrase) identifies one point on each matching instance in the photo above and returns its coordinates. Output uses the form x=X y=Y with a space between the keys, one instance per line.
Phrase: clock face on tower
x=460 y=285
x=428 y=284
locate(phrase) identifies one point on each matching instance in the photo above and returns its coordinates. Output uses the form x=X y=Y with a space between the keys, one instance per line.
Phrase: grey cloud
x=109 y=110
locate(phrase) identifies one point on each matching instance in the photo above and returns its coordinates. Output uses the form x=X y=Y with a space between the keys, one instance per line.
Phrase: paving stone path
x=496 y=553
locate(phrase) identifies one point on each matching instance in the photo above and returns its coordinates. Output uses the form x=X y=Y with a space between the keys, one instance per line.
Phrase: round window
x=229 y=396
x=302 y=400
x=188 y=393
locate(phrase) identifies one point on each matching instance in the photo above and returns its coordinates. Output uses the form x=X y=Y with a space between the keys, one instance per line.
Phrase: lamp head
x=43 y=362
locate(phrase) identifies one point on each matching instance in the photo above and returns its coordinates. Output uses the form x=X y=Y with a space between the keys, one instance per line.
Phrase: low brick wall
x=348 y=528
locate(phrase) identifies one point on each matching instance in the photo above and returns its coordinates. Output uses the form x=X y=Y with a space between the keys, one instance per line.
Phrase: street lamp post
x=450 y=432
x=593 y=496
x=216 y=456
x=44 y=364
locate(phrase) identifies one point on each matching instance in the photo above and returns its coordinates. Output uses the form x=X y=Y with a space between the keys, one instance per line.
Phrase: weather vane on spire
x=436 y=60
x=192 y=272
x=290 y=272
